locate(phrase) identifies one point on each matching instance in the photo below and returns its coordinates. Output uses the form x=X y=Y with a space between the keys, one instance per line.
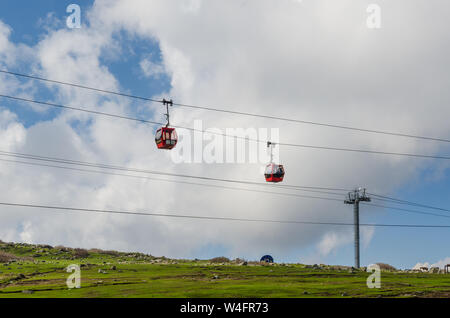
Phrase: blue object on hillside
x=267 y=259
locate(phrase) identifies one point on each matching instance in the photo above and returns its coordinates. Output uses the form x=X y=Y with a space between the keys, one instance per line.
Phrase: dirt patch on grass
x=8 y=257
x=39 y=282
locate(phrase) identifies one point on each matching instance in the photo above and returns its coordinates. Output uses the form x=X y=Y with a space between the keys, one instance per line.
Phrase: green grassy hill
x=40 y=271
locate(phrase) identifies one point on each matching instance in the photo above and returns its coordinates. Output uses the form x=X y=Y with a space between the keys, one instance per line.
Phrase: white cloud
x=151 y=69
x=191 y=6
x=26 y=234
x=332 y=240
x=5 y=45
x=12 y=133
x=420 y=265
x=50 y=22
x=442 y=263
x=11 y=54
x=439 y=264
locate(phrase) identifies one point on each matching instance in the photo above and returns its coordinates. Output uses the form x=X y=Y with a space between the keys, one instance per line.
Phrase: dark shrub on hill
x=80 y=253
x=95 y=251
x=239 y=260
x=221 y=259
x=386 y=267
x=45 y=246
x=62 y=248
x=99 y=251
x=112 y=253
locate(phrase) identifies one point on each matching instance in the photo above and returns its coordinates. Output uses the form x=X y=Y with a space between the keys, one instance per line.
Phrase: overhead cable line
x=240 y=113
x=181 y=182
x=129 y=169
x=185 y=216
x=406 y=210
x=225 y=187
x=405 y=202
x=317 y=189
x=413 y=155
x=80 y=109
x=79 y=86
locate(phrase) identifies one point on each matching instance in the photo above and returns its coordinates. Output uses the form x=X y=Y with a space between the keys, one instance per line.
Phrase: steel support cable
x=114 y=167
x=104 y=211
x=405 y=202
x=239 y=113
x=178 y=181
x=340 y=149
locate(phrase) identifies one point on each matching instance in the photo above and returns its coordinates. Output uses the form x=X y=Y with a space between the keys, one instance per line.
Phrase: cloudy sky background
x=311 y=60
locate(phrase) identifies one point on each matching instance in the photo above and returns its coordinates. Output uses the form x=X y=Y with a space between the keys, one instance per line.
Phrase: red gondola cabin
x=274 y=173
x=166 y=138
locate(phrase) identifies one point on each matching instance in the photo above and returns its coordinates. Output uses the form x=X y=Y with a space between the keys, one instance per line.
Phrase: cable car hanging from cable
x=166 y=137
x=274 y=172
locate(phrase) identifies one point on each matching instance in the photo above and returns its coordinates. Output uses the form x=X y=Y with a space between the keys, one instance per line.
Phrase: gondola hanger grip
x=167 y=103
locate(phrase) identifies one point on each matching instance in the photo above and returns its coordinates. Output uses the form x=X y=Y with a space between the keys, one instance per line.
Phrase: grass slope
x=40 y=271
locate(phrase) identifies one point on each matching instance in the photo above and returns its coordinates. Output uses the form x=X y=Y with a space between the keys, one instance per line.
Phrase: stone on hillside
x=20 y=276
x=434 y=270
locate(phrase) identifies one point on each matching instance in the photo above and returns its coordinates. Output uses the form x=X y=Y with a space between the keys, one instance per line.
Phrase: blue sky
x=27 y=21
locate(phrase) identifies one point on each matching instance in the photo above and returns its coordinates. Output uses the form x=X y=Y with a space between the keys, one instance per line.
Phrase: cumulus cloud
x=5 y=46
x=12 y=133
x=315 y=61
x=10 y=53
x=50 y=22
x=441 y=264
x=152 y=69
x=331 y=241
